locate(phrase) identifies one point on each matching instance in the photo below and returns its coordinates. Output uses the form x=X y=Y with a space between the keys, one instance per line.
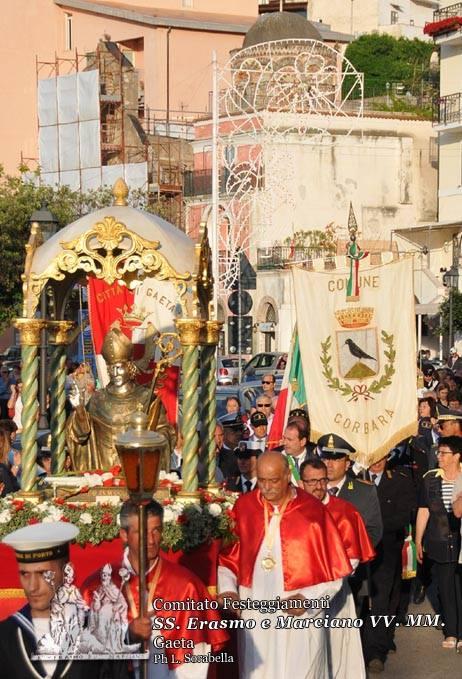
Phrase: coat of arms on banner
x=363 y=353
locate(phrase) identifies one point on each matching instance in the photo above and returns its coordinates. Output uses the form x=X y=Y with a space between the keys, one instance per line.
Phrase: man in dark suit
x=334 y=452
x=247 y=463
x=398 y=502
x=233 y=429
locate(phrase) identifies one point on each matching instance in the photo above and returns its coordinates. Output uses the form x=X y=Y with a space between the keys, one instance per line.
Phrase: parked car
x=222 y=393
x=227 y=370
x=11 y=357
x=261 y=364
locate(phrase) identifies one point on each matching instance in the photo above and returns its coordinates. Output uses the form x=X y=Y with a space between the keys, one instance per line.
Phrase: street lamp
x=140 y=451
x=48 y=224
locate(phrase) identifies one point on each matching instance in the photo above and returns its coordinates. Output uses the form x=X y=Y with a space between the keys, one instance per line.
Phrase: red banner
x=108 y=304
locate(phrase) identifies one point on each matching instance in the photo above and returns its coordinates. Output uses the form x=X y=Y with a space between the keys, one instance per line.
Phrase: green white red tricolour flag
x=292 y=394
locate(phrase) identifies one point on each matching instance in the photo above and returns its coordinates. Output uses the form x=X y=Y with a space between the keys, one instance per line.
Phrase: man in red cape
x=345 y=650
x=287 y=564
x=166 y=582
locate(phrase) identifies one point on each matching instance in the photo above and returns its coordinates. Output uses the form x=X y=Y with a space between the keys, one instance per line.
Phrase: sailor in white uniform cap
x=39 y=548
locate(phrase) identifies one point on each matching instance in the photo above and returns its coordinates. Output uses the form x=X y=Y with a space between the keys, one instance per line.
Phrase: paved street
x=420 y=655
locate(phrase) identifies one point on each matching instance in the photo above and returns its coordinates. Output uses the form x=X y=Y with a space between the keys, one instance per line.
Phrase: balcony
x=446 y=25
x=282 y=256
x=447 y=112
x=199 y=183
x=454 y=10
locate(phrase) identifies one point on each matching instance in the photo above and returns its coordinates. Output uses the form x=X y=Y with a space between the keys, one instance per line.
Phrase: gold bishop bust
x=91 y=430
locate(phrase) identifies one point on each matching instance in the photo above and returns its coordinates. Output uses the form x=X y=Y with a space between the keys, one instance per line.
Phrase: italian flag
x=292 y=394
x=409 y=557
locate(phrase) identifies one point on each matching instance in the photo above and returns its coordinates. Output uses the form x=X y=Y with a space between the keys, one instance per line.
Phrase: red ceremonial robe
x=175 y=583
x=312 y=549
x=352 y=529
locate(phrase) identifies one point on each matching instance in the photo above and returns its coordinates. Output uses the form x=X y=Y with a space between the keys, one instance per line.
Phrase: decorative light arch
x=272 y=94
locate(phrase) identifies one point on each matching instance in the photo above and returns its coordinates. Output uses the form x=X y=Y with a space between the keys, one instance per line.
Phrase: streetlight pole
x=48 y=224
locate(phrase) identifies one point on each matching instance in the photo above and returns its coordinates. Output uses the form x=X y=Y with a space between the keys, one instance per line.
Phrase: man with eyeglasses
x=264 y=404
x=268 y=383
x=345 y=653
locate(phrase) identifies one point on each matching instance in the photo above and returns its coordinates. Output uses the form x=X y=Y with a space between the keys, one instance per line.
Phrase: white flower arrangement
x=214 y=509
x=5 y=516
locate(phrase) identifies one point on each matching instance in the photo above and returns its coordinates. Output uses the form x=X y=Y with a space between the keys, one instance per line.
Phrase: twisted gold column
x=208 y=400
x=30 y=330
x=59 y=338
x=190 y=331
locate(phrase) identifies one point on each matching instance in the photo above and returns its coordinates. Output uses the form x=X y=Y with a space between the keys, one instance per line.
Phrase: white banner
x=359 y=357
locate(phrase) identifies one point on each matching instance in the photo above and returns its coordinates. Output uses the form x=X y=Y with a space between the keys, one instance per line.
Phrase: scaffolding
x=150 y=148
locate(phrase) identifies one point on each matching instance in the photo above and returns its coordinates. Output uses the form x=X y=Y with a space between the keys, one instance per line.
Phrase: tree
x=384 y=59
x=456 y=314
x=18 y=200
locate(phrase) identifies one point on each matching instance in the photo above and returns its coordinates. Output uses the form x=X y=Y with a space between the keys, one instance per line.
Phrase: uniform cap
x=258 y=419
x=334 y=447
x=255 y=446
x=245 y=454
x=448 y=414
x=298 y=412
x=231 y=421
x=42 y=541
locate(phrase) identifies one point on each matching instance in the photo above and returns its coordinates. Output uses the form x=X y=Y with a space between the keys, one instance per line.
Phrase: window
x=393 y=17
x=68 y=31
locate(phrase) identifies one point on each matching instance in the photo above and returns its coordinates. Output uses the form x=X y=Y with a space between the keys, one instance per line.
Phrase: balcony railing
x=199 y=183
x=282 y=256
x=447 y=110
x=448 y=12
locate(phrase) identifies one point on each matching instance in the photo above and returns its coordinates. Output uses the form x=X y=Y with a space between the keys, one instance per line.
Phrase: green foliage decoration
x=18 y=200
x=456 y=314
x=384 y=59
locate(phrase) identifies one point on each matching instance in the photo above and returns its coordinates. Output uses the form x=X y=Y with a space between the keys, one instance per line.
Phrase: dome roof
x=174 y=245
x=280 y=26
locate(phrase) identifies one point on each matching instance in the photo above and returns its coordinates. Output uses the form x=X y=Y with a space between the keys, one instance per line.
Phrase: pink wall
x=37 y=29
x=235 y=7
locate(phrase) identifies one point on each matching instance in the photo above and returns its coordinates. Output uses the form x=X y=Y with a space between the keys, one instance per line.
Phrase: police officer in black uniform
x=398 y=502
x=335 y=451
x=233 y=429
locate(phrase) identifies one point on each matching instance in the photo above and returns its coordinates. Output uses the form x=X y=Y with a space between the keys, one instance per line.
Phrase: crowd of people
x=322 y=530
x=79 y=379
x=414 y=490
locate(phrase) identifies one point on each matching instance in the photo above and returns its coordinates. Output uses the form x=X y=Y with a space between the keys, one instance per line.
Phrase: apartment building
x=400 y=18
x=169 y=44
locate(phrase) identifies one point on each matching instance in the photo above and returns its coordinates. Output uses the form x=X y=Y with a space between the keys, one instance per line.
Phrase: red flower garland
x=443 y=26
